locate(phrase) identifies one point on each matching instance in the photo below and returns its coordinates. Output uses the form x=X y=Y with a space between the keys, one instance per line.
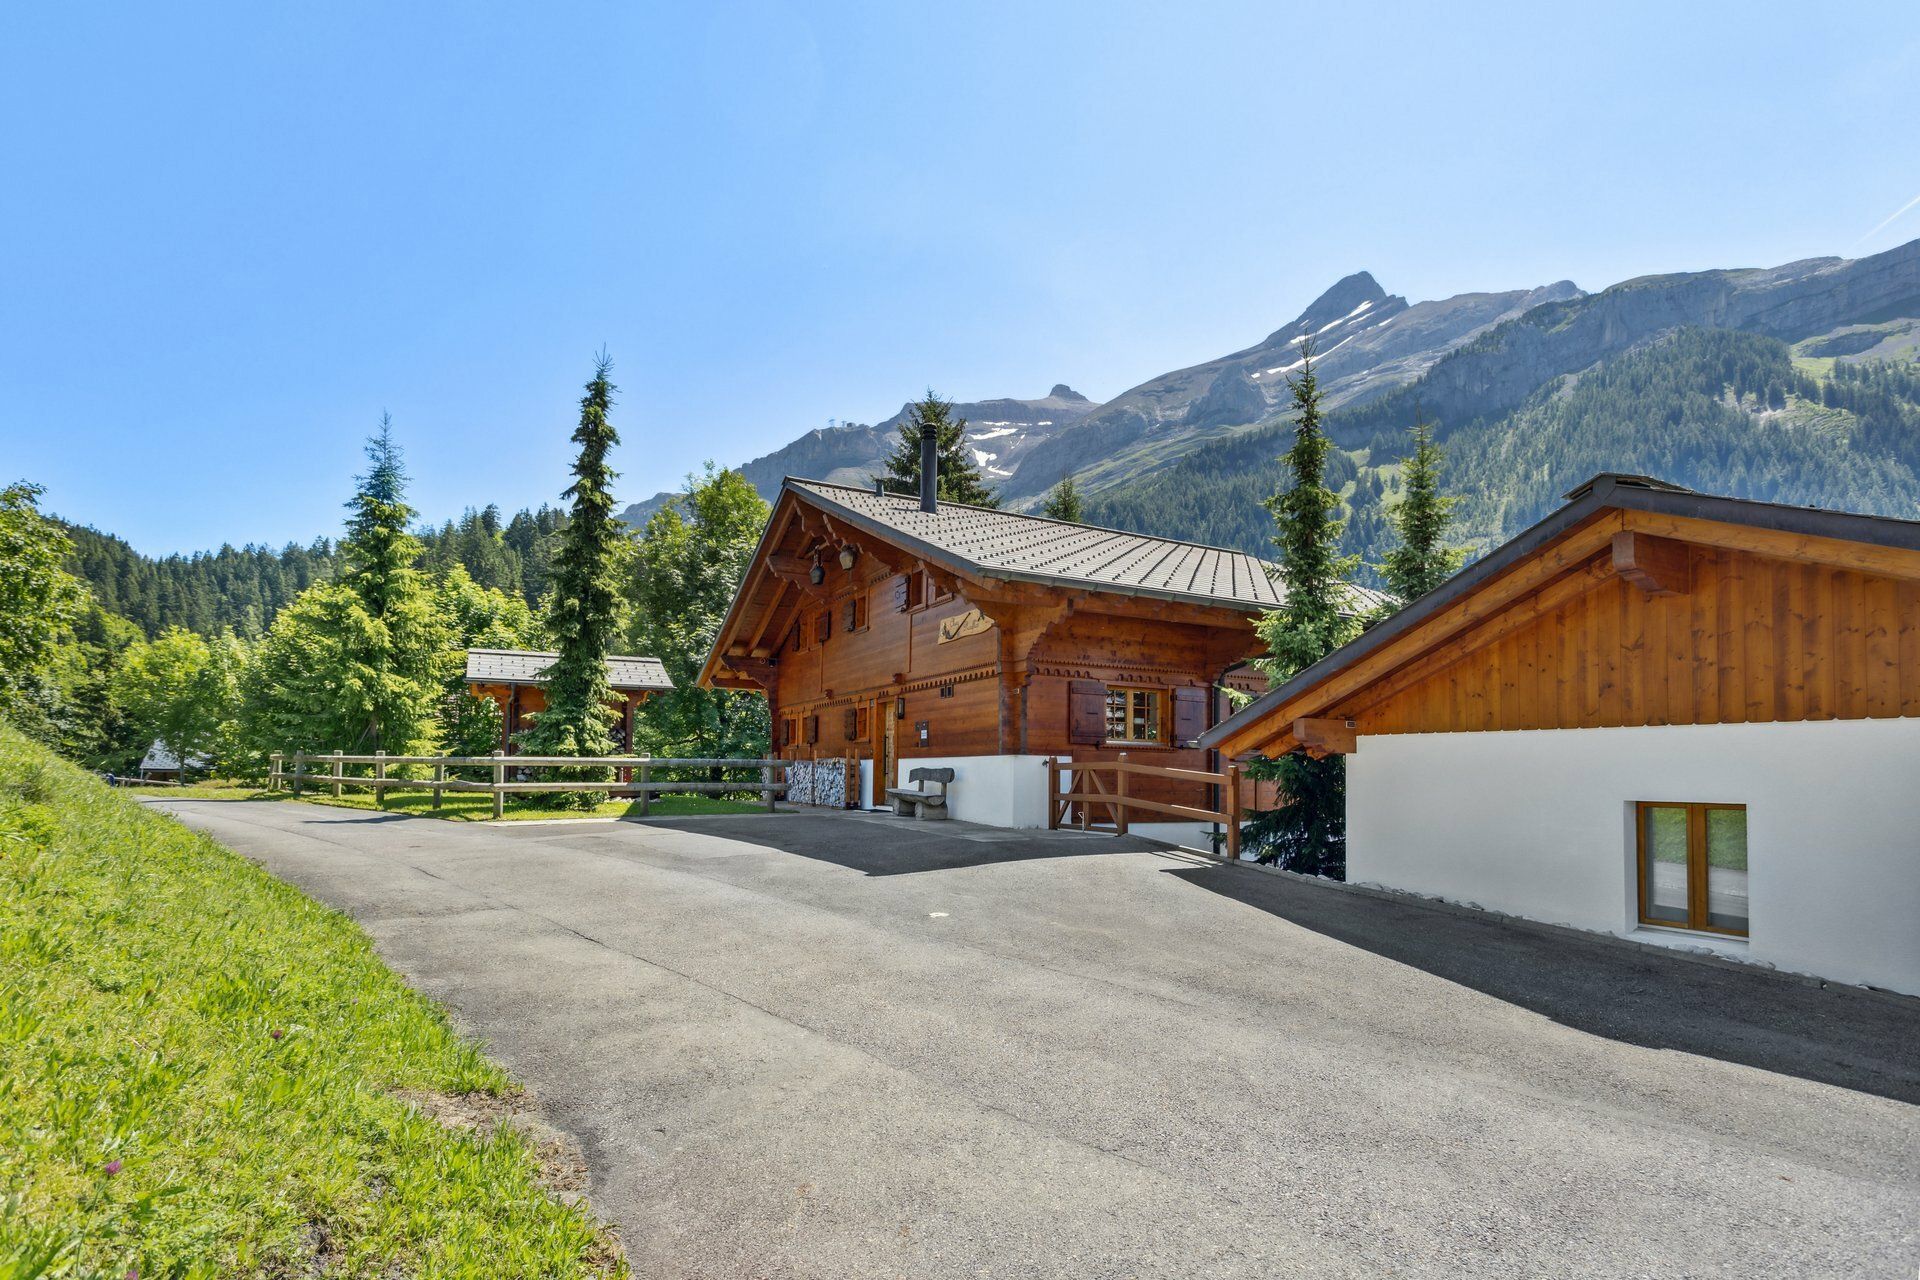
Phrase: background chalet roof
x=1005 y=544
x=160 y=759
x=528 y=666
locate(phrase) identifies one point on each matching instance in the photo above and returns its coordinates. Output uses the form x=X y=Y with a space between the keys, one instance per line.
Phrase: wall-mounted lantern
x=817 y=574
x=899 y=708
x=847 y=556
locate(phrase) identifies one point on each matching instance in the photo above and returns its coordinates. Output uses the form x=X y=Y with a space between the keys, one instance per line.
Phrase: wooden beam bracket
x=1658 y=566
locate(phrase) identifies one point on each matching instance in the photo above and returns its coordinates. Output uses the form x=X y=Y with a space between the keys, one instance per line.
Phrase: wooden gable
x=1635 y=618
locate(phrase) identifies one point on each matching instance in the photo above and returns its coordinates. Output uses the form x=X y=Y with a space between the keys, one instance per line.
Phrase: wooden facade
x=1662 y=609
x=902 y=651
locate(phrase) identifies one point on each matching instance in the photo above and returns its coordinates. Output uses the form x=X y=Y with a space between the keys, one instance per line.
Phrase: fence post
x=379 y=776
x=1120 y=791
x=1233 y=813
x=299 y=770
x=499 y=781
x=273 y=773
x=646 y=792
x=1053 y=793
x=337 y=772
x=766 y=786
x=439 y=780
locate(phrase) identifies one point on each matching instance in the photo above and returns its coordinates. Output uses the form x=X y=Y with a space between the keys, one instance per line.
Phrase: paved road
x=849 y=1047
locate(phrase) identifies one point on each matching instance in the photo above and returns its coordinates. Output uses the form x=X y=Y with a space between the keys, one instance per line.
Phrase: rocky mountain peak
x=1347 y=295
x=1061 y=391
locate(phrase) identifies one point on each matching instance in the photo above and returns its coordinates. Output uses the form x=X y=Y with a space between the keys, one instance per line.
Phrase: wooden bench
x=918 y=801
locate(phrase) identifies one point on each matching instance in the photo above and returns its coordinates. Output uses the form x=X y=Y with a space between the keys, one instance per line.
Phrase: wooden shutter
x=852 y=724
x=1189 y=715
x=1086 y=712
x=822 y=626
x=813 y=730
x=902 y=592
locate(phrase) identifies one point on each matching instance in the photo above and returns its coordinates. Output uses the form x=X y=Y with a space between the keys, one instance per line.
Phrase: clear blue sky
x=230 y=236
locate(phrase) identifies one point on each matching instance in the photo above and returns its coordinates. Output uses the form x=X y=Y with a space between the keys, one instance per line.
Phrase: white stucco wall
x=1540 y=824
x=998 y=791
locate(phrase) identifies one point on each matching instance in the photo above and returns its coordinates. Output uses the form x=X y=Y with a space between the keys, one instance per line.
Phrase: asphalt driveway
x=806 y=1045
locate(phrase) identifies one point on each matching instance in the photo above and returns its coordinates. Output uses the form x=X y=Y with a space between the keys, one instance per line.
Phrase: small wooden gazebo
x=516 y=680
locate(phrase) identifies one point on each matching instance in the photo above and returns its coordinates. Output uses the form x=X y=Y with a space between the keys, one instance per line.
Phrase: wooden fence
x=1090 y=790
x=298 y=770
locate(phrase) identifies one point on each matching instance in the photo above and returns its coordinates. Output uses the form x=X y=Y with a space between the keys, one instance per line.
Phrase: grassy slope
x=198 y=1067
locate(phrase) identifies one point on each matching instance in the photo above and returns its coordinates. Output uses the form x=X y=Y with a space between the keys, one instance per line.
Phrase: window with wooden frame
x=813 y=730
x=853 y=613
x=1135 y=717
x=799 y=638
x=822 y=626
x=1692 y=866
x=909 y=592
x=862 y=725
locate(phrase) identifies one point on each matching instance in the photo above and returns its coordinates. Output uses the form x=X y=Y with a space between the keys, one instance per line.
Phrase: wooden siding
x=1753 y=638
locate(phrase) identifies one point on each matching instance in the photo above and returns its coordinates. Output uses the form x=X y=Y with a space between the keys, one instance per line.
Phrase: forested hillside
x=1717 y=410
x=243 y=589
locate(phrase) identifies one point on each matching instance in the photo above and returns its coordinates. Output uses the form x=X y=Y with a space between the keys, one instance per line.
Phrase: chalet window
x=1693 y=866
x=1135 y=715
x=861 y=727
x=910 y=592
x=813 y=730
x=853 y=614
x=799 y=637
x=851 y=725
x=822 y=626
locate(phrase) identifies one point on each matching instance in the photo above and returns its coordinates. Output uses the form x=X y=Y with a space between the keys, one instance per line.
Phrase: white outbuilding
x=1684 y=719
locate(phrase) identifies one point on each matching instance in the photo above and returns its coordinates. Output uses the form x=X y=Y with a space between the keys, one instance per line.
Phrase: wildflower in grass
x=110 y=1168
x=276 y=1033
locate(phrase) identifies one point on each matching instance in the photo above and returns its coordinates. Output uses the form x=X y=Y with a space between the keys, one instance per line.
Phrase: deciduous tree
x=691 y=559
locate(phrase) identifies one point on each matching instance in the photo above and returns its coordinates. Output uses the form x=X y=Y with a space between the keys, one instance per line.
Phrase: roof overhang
x=1563 y=544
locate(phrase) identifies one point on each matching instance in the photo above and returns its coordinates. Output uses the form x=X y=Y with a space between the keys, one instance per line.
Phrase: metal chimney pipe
x=929 y=467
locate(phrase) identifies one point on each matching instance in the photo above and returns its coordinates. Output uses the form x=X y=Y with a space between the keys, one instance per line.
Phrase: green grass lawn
x=455 y=806
x=200 y=1071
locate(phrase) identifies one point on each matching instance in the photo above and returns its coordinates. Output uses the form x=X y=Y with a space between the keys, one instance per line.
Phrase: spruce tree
x=1421 y=518
x=1063 y=502
x=960 y=479
x=583 y=618
x=1309 y=833
x=388 y=655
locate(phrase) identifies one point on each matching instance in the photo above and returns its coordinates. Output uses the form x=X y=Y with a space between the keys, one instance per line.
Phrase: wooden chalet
x=898 y=629
x=516 y=681
x=1658 y=713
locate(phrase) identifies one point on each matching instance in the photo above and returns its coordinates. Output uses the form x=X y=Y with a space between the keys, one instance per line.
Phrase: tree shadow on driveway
x=1638 y=994
x=879 y=844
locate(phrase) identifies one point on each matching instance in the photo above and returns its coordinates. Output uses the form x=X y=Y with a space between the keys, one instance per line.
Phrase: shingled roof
x=529 y=666
x=1024 y=548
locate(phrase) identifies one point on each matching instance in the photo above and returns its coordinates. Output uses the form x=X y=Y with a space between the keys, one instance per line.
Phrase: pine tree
x=1309 y=833
x=960 y=479
x=1421 y=518
x=1063 y=502
x=390 y=656
x=584 y=616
